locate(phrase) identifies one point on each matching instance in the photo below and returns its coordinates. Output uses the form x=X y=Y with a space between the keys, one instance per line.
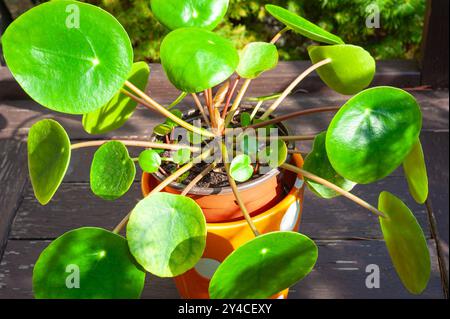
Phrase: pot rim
x=204 y=191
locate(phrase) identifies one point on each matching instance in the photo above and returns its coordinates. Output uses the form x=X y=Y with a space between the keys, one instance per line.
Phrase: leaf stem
x=238 y=197
x=278 y=35
x=166 y=112
x=145 y=144
x=237 y=102
x=198 y=178
x=255 y=110
x=164 y=184
x=336 y=188
x=294 y=115
x=230 y=96
x=201 y=109
x=292 y=86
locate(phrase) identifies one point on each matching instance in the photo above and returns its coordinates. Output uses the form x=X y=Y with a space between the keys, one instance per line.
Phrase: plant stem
x=198 y=178
x=292 y=86
x=237 y=102
x=255 y=110
x=136 y=99
x=201 y=109
x=145 y=144
x=278 y=35
x=238 y=197
x=164 y=184
x=177 y=100
x=336 y=188
x=221 y=94
x=230 y=96
x=294 y=115
x=166 y=112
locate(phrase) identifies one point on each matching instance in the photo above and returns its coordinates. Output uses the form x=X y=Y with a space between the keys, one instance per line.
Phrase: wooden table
x=349 y=238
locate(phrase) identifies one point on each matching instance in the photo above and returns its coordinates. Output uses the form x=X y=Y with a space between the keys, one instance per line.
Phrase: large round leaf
x=195 y=59
x=167 y=234
x=112 y=171
x=373 y=133
x=120 y=108
x=264 y=266
x=406 y=243
x=256 y=58
x=351 y=69
x=175 y=14
x=302 y=26
x=416 y=173
x=48 y=158
x=317 y=162
x=88 y=263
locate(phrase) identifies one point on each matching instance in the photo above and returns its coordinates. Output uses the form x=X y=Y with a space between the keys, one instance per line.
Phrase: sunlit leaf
x=112 y=171
x=167 y=234
x=241 y=169
x=246 y=119
x=416 y=173
x=182 y=156
x=69 y=56
x=150 y=161
x=48 y=158
x=87 y=263
x=406 y=243
x=264 y=266
x=256 y=58
x=275 y=154
x=162 y=130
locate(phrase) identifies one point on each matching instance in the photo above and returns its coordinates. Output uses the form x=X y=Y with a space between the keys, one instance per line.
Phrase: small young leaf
x=48 y=158
x=317 y=162
x=88 y=263
x=112 y=171
x=275 y=154
x=351 y=69
x=264 y=266
x=120 y=108
x=302 y=26
x=416 y=173
x=176 y=14
x=170 y=123
x=256 y=58
x=162 y=130
x=372 y=134
x=406 y=243
x=195 y=59
x=68 y=64
x=167 y=234
x=182 y=156
x=149 y=161
x=241 y=169
x=245 y=119
x=183 y=177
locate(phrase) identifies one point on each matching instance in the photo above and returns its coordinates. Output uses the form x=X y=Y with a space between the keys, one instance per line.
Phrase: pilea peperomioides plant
x=75 y=58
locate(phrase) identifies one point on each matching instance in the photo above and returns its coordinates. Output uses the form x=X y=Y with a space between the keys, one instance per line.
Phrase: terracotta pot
x=225 y=235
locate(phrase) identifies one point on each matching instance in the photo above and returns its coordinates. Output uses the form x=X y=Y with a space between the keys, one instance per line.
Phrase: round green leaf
x=69 y=56
x=416 y=173
x=275 y=154
x=48 y=158
x=182 y=156
x=87 y=263
x=167 y=234
x=372 y=134
x=264 y=266
x=256 y=58
x=241 y=168
x=246 y=119
x=112 y=171
x=195 y=59
x=150 y=161
x=302 y=26
x=351 y=69
x=317 y=162
x=120 y=108
x=175 y=14
x=406 y=243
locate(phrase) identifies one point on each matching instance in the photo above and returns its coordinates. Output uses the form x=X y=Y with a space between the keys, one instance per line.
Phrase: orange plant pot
x=226 y=236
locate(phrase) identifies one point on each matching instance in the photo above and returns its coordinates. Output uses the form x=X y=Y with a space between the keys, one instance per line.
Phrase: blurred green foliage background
x=398 y=38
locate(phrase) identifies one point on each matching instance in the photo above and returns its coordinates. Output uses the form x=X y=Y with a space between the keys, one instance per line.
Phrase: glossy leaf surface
x=256 y=58
x=241 y=169
x=150 y=161
x=416 y=173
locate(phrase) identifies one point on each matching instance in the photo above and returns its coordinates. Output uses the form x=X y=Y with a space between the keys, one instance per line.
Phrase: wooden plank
x=75 y=206
x=326 y=280
x=19 y=115
x=436 y=148
x=13 y=175
x=434 y=62
x=340 y=273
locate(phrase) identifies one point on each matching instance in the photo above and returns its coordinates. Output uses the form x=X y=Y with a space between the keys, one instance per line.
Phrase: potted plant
x=233 y=235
